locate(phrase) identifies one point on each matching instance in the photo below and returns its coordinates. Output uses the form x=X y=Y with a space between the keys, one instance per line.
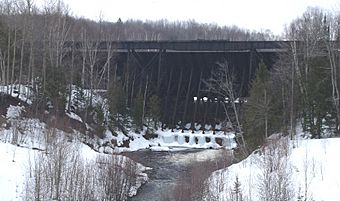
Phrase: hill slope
x=282 y=170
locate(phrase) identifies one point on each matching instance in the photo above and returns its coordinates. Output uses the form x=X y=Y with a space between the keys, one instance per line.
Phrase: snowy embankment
x=161 y=140
x=283 y=170
x=44 y=163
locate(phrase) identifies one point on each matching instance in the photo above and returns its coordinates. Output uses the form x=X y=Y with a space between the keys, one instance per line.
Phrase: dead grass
x=192 y=185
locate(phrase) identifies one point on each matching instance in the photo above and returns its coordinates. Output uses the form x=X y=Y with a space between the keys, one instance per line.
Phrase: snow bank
x=307 y=169
x=26 y=140
x=14 y=112
x=74 y=116
x=316 y=161
x=14 y=161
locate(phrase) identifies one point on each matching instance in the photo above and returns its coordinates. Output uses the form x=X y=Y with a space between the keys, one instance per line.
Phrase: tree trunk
x=22 y=56
x=13 y=59
x=292 y=115
x=84 y=54
x=71 y=80
x=92 y=57
x=335 y=89
x=8 y=59
x=127 y=77
x=144 y=99
x=266 y=115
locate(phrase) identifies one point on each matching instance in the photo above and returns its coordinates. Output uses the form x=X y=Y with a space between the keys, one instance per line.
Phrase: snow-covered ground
x=13 y=168
x=166 y=140
x=307 y=169
x=25 y=144
x=17 y=161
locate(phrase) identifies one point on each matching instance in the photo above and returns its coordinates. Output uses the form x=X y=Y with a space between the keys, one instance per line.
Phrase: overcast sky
x=250 y=14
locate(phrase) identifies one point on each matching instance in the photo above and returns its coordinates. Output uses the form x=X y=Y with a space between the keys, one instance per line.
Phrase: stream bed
x=168 y=168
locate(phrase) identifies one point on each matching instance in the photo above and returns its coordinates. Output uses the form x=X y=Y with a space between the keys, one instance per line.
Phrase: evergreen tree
x=154 y=110
x=318 y=97
x=117 y=107
x=257 y=108
x=55 y=90
x=237 y=191
x=137 y=112
x=78 y=99
x=99 y=119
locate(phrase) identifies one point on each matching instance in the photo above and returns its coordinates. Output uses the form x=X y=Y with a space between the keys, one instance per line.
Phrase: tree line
x=32 y=53
x=303 y=86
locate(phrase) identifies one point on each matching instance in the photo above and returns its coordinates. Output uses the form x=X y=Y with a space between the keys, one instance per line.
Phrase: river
x=168 y=168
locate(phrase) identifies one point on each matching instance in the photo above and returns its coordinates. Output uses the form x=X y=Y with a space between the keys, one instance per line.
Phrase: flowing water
x=167 y=169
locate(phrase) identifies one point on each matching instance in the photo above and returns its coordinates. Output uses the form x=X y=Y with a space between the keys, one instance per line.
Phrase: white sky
x=250 y=14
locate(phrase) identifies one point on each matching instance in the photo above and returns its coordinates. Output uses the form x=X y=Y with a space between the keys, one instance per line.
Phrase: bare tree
x=332 y=50
x=308 y=52
x=61 y=173
x=12 y=80
x=84 y=56
x=275 y=175
x=222 y=84
x=92 y=51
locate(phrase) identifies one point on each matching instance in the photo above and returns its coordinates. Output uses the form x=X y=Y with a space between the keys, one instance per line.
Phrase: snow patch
x=74 y=116
x=14 y=112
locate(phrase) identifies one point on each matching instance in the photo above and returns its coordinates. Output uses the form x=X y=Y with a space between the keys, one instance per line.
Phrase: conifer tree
x=55 y=89
x=257 y=108
x=154 y=110
x=137 y=112
x=117 y=107
x=318 y=100
x=237 y=190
